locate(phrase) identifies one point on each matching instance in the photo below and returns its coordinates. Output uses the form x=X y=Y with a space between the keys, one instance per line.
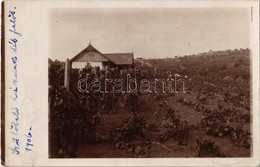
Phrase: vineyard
x=211 y=119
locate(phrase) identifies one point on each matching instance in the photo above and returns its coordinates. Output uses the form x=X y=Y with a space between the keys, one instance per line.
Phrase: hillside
x=232 y=63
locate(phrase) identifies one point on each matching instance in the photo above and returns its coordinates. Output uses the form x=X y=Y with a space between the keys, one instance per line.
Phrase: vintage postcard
x=130 y=83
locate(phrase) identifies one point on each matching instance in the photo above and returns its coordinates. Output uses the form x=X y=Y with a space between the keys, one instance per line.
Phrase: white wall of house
x=83 y=64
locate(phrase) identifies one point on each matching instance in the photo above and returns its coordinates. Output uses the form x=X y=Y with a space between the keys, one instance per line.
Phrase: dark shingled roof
x=91 y=48
x=117 y=58
x=120 y=58
x=87 y=49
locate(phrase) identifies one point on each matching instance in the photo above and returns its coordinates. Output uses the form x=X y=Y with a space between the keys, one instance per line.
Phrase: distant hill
x=232 y=63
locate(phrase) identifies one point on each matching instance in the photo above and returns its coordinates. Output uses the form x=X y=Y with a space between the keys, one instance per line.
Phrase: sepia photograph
x=154 y=82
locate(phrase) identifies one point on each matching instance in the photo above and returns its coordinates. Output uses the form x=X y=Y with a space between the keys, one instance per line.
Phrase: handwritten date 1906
x=28 y=144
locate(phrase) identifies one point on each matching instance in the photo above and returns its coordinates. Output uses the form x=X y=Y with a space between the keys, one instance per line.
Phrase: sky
x=148 y=32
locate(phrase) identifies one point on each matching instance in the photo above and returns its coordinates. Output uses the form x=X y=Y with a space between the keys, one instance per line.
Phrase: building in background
x=90 y=56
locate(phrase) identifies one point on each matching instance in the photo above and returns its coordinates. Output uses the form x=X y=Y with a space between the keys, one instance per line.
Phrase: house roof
x=120 y=58
x=117 y=58
x=87 y=49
